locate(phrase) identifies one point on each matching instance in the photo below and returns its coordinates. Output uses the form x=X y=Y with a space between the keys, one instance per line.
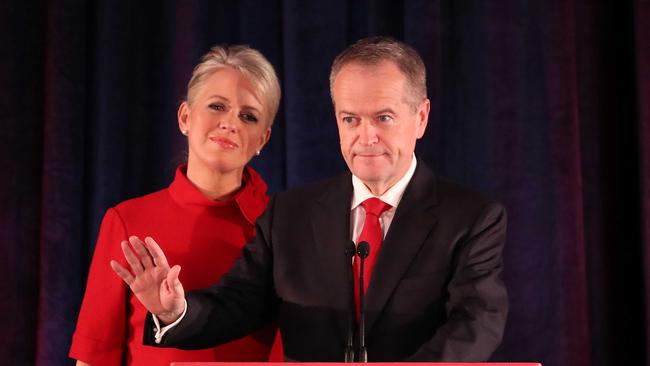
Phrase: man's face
x=377 y=126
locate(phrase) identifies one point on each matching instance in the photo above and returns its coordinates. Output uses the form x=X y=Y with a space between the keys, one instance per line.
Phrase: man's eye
x=349 y=120
x=217 y=107
x=247 y=117
x=385 y=118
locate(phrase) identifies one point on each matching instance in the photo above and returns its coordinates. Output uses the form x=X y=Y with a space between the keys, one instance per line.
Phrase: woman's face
x=226 y=123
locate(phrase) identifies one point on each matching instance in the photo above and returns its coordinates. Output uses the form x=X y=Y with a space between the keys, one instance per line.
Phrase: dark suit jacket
x=435 y=293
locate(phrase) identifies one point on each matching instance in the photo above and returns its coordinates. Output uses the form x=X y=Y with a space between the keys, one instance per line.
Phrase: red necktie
x=372 y=234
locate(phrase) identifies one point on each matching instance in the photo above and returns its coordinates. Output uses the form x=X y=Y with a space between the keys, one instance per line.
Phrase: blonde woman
x=202 y=220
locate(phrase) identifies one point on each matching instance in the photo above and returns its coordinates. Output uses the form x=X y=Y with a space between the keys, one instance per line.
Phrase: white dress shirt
x=392 y=197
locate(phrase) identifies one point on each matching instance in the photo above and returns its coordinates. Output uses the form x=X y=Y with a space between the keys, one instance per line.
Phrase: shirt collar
x=251 y=198
x=392 y=196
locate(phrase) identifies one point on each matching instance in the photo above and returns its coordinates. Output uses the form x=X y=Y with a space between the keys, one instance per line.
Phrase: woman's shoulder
x=148 y=201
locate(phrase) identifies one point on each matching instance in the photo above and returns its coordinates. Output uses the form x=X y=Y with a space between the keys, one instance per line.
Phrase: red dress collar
x=251 y=197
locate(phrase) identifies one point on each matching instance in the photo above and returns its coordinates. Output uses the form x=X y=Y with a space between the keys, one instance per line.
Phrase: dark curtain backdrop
x=543 y=104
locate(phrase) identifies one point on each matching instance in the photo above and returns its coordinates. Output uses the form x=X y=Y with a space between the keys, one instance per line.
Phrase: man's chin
x=367 y=176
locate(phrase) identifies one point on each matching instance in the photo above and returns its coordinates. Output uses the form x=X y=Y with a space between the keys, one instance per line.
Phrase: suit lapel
x=330 y=221
x=413 y=221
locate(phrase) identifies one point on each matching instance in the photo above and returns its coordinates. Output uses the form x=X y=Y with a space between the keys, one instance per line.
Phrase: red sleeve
x=277 y=351
x=100 y=336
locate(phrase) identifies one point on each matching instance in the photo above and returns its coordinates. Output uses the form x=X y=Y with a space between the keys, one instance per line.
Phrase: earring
x=184 y=132
x=257 y=153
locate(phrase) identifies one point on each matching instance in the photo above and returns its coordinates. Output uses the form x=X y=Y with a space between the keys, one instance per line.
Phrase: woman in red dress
x=202 y=220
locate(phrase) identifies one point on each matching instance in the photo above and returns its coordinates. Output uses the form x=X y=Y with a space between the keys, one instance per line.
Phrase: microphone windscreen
x=351 y=250
x=363 y=249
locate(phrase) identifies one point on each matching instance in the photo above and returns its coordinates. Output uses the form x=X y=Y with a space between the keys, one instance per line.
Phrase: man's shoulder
x=458 y=200
x=426 y=184
x=429 y=188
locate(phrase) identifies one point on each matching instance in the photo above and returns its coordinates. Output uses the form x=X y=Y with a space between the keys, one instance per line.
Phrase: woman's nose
x=228 y=123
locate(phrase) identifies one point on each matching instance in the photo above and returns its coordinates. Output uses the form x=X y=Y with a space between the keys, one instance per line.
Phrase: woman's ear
x=264 y=139
x=183 y=114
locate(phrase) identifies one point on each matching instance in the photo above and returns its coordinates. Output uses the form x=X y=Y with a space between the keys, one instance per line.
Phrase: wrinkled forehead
x=368 y=85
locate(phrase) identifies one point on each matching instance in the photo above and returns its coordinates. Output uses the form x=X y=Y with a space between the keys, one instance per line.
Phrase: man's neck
x=378 y=189
x=391 y=194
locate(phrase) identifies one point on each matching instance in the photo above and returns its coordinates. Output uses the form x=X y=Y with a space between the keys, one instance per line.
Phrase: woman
x=202 y=220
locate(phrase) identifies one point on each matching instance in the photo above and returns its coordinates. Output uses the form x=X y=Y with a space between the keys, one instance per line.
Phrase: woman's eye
x=248 y=117
x=217 y=107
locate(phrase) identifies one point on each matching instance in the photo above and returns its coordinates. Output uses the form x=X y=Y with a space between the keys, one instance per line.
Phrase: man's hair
x=375 y=50
x=248 y=61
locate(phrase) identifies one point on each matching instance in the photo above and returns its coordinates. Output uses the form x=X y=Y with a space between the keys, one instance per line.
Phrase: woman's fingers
x=122 y=272
x=156 y=253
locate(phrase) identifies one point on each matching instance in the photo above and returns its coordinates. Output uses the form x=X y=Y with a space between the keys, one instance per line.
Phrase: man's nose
x=368 y=133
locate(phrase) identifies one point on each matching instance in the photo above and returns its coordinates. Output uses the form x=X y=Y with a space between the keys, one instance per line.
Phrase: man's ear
x=422 y=117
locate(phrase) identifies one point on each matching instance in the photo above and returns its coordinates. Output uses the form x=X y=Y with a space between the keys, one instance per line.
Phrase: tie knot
x=374 y=206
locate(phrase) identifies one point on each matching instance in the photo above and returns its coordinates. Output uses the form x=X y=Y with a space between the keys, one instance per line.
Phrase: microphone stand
x=363 y=249
x=349 y=347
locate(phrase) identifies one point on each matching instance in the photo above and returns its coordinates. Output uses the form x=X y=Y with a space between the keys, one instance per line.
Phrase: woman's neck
x=214 y=184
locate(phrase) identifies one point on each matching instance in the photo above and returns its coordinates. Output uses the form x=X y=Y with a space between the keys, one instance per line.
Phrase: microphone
x=363 y=249
x=350 y=251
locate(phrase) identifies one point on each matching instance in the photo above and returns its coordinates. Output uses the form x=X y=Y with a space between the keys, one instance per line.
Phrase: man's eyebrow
x=385 y=110
x=346 y=112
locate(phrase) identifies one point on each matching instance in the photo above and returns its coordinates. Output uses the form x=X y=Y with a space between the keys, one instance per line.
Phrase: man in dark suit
x=433 y=291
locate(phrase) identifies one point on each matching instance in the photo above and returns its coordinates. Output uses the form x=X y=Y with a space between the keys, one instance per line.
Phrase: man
x=432 y=276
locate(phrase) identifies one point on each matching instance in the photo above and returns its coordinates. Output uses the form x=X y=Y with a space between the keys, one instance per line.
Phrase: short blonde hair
x=375 y=50
x=251 y=63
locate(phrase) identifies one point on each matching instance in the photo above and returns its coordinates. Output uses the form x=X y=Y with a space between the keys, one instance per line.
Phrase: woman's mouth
x=224 y=142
